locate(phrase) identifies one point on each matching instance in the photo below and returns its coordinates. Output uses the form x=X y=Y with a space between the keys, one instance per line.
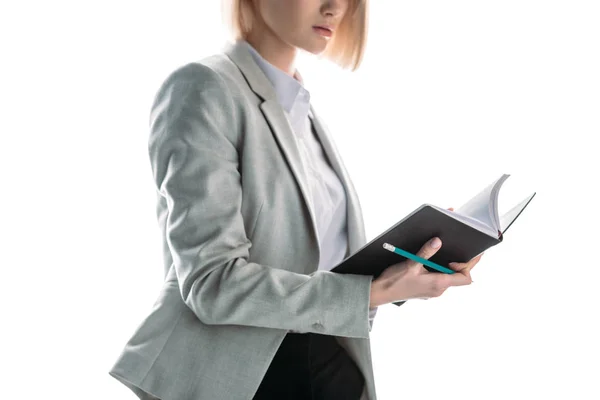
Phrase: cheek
x=286 y=17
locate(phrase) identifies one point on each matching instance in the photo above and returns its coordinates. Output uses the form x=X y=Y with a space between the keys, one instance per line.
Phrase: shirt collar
x=290 y=91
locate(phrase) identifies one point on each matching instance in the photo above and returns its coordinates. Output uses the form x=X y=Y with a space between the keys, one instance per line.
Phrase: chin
x=315 y=47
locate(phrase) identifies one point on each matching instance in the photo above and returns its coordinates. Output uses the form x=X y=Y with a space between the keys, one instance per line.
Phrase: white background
x=451 y=95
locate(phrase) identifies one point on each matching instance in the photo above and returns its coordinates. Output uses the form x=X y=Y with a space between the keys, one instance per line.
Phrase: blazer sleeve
x=194 y=136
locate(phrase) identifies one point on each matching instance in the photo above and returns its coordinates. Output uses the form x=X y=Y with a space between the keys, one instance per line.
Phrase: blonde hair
x=347 y=47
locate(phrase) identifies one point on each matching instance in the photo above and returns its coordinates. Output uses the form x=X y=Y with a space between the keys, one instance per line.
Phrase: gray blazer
x=240 y=245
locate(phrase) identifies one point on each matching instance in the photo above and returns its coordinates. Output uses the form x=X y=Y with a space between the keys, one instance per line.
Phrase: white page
x=507 y=219
x=467 y=220
x=480 y=207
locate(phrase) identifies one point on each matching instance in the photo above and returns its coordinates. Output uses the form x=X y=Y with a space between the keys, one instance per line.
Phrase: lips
x=325 y=27
x=323 y=30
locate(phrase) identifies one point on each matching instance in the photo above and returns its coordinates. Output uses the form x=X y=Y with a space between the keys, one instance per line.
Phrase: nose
x=334 y=8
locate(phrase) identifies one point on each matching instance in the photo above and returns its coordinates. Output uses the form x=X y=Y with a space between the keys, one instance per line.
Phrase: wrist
x=377 y=294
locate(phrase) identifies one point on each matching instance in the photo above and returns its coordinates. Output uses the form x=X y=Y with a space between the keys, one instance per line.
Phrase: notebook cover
x=460 y=243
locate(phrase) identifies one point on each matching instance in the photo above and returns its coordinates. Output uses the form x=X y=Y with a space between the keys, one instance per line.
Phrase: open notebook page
x=472 y=222
x=483 y=207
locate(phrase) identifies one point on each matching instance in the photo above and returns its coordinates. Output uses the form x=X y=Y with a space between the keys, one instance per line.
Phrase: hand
x=410 y=280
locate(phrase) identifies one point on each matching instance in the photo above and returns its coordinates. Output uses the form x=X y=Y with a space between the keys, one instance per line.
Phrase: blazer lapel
x=275 y=116
x=356 y=230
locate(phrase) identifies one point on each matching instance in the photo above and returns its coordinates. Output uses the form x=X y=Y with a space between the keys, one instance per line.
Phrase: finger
x=465 y=268
x=429 y=249
x=466 y=265
x=476 y=259
x=462 y=269
x=438 y=283
x=451 y=209
x=472 y=262
x=458 y=267
x=459 y=279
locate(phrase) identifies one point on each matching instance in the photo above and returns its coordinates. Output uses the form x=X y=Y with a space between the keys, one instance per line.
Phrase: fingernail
x=436 y=242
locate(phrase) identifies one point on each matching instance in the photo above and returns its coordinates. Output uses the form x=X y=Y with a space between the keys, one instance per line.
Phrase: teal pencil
x=416 y=258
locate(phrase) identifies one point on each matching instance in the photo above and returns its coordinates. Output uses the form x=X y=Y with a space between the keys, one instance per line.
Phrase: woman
x=256 y=206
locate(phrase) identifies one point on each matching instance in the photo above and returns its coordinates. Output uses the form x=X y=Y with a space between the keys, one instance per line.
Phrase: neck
x=273 y=49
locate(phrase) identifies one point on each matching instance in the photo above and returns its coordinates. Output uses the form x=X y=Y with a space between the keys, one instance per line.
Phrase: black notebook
x=465 y=233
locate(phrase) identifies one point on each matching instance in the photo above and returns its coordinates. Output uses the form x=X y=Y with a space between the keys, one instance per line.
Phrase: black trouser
x=309 y=366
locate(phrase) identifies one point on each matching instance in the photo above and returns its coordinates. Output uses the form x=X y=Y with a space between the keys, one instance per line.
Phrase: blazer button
x=318 y=326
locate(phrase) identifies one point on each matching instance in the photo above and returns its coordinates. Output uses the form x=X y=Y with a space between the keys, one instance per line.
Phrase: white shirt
x=327 y=195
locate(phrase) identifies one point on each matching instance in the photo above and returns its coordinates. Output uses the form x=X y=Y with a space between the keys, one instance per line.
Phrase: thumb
x=429 y=249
